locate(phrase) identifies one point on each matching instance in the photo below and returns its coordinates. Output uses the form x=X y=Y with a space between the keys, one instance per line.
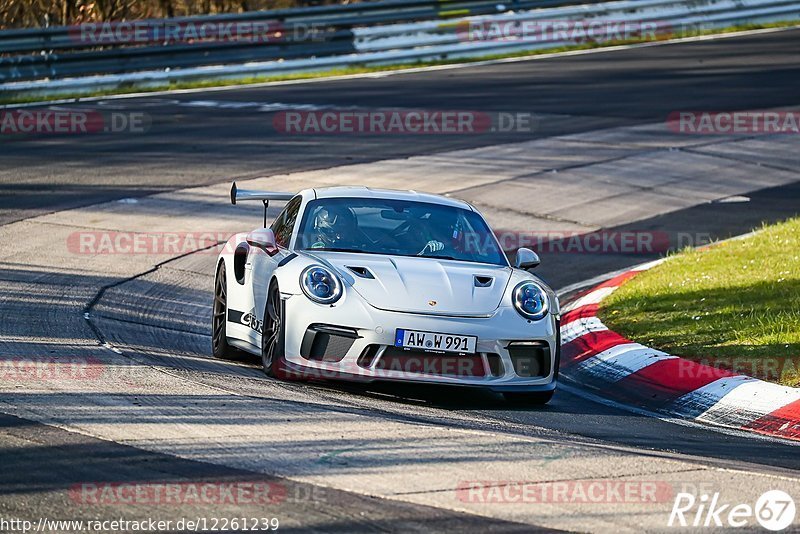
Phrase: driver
x=335 y=227
x=437 y=230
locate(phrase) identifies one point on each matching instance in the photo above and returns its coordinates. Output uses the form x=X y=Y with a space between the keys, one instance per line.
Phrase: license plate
x=433 y=341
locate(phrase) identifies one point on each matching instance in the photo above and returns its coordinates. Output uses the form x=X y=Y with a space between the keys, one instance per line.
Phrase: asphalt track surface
x=191 y=144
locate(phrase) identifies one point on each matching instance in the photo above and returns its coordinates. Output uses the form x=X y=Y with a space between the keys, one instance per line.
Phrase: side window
x=284 y=223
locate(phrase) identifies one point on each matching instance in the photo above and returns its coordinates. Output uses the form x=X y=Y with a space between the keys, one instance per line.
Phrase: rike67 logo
x=774 y=510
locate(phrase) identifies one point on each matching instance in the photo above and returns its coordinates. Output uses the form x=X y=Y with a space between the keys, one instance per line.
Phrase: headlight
x=320 y=285
x=530 y=300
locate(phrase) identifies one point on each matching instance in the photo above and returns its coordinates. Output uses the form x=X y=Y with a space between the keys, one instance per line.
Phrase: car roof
x=361 y=191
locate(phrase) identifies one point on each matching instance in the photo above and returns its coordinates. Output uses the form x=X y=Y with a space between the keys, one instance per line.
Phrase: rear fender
x=243 y=319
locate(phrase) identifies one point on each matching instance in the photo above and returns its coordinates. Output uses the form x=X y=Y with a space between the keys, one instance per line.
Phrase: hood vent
x=483 y=281
x=362 y=272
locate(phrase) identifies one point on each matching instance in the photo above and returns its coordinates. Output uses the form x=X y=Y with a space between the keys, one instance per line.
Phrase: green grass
x=21 y=98
x=735 y=302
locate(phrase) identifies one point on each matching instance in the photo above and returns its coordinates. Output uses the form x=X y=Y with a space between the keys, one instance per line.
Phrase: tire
x=219 y=334
x=273 y=343
x=536 y=398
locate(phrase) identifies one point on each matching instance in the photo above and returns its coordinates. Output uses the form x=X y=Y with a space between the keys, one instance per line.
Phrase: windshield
x=397 y=227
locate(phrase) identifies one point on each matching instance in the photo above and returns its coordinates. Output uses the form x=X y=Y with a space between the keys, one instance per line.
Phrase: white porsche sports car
x=362 y=284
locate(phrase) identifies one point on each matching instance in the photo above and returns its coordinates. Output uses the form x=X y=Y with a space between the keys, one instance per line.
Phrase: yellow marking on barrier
x=454 y=13
x=452 y=25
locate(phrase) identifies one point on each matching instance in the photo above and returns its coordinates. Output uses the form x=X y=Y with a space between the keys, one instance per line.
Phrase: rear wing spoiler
x=264 y=196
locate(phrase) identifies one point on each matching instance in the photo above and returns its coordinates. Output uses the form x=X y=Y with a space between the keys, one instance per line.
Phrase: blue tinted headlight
x=320 y=284
x=530 y=300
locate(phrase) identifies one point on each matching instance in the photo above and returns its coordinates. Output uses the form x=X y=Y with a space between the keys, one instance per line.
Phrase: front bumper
x=355 y=341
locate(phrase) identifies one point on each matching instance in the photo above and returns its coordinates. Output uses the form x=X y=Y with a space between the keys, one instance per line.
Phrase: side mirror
x=264 y=239
x=527 y=259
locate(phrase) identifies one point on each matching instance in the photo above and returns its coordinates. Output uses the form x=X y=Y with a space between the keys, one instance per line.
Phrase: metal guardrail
x=61 y=52
x=670 y=17
x=374 y=33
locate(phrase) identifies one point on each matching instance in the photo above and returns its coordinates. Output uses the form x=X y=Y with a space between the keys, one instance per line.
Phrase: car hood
x=423 y=285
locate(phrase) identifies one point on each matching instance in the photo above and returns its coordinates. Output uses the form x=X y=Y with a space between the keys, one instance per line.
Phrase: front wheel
x=273 y=344
x=534 y=398
x=219 y=335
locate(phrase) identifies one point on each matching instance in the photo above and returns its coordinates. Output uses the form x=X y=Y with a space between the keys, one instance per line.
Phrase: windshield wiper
x=335 y=249
x=442 y=258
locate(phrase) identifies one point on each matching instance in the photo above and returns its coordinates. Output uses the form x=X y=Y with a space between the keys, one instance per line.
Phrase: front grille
x=327 y=343
x=426 y=363
x=530 y=358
